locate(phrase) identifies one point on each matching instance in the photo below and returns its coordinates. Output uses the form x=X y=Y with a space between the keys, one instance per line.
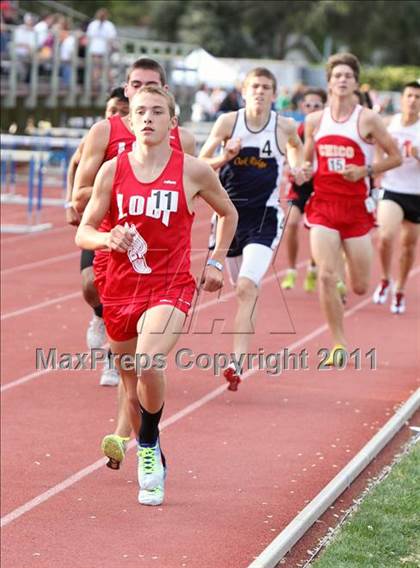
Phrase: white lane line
x=280 y=546
x=31 y=376
x=203 y=306
x=59 y=298
x=38 y=263
x=41 y=305
x=76 y=294
x=6 y=241
x=78 y=476
x=67 y=256
x=289 y=536
x=51 y=260
x=24 y=379
x=33 y=503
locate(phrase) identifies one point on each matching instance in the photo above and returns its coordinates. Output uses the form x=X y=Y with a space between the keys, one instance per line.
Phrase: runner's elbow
x=79 y=201
x=234 y=217
x=78 y=239
x=398 y=160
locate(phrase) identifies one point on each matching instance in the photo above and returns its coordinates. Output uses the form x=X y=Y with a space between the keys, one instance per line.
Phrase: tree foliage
x=377 y=31
x=389 y=78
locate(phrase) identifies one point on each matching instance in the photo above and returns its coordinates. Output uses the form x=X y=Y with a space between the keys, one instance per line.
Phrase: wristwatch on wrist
x=369 y=170
x=215 y=263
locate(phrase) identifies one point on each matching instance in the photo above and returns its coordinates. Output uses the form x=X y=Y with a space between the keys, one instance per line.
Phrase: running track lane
x=301 y=305
x=72 y=390
x=225 y=477
x=25 y=248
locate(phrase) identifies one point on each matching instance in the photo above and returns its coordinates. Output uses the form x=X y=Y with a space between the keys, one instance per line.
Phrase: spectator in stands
x=373 y=95
x=9 y=12
x=8 y=17
x=297 y=96
x=45 y=41
x=4 y=39
x=30 y=127
x=81 y=52
x=283 y=99
x=232 y=102
x=67 y=48
x=203 y=108
x=25 y=45
x=43 y=30
x=363 y=98
x=217 y=97
x=102 y=36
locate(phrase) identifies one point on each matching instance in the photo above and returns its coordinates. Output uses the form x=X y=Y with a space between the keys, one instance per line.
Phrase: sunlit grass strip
x=383 y=531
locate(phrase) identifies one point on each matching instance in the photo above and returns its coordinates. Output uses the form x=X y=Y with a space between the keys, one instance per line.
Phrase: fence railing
x=83 y=80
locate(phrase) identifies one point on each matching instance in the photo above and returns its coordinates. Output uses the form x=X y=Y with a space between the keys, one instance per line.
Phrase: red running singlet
x=158 y=217
x=121 y=139
x=337 y=203
x=337 y=145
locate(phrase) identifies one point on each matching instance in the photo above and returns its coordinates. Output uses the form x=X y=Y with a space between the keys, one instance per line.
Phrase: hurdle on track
x=36 y=154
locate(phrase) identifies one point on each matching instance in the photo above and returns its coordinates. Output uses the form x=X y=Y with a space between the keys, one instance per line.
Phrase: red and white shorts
x=121 y=319
x=348 y=217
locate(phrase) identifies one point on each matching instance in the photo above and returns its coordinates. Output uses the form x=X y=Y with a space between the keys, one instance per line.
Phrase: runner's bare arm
x=92 y=158
x=311 y=123
x=88 y=236
x=72 y=216
x=300 y=170
x=384 y=140
x=71 y=170
x=187 y=141
x=220 y=134
x=375 y=129
x=379 y=153
x=380 y=150
x=294 y=146
x=201 y=180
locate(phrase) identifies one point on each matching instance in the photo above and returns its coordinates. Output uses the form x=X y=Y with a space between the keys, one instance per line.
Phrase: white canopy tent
x=201 y=67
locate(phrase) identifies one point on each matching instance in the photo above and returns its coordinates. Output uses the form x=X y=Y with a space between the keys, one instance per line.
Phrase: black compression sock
x=99 y=310
x=149 y=429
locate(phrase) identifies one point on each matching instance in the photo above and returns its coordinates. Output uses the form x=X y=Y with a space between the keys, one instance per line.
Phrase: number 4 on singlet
x=265 y=151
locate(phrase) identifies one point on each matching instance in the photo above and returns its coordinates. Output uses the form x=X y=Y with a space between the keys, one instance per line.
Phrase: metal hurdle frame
x=36 y=157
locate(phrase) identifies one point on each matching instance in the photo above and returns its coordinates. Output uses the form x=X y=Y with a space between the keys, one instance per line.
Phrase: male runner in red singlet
x=399 y=209
x=340 y=210
x=149 y=288
x=110 y=137
x=105 y=140
x=117 y=103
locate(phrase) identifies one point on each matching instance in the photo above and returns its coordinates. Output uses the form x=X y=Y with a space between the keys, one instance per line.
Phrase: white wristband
x=215 y=263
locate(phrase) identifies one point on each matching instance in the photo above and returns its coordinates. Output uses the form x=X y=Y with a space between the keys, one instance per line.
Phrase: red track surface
x=241 y=465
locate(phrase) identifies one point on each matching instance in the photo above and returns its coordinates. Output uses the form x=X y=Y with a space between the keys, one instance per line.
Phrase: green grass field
x=384 y=532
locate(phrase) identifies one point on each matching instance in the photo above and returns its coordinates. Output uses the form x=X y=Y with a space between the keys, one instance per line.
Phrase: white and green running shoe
x=150 y=469
x=114 y=448
x=152 y=497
